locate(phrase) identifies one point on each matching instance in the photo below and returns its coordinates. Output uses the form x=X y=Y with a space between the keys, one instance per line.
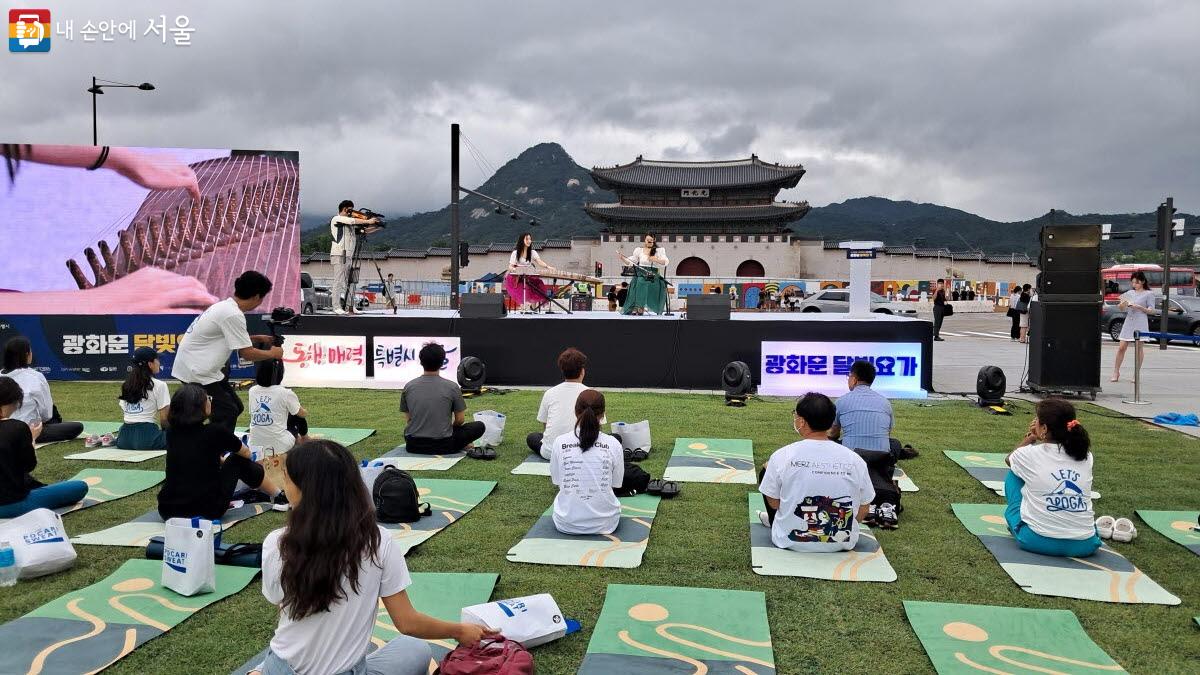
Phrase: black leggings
x=1015 y=331
x=55 y=429
x=234 y=468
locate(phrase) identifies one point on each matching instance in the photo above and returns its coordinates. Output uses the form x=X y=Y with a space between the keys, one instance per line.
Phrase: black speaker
x=481 y=305
x=1070 y=264
x=1064 y=345
x=708 y=307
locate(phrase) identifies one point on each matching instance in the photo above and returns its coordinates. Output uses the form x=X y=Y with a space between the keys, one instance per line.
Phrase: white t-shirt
x=585 y=503
x=819 y=485
x=348 y=239
x=146 y=410
x=269 y=409
x=514 y=262
x=1056 y=500
x=209 y=341
x=333 y=641
x=37 y=404
x=641 y=258
x=557 y=412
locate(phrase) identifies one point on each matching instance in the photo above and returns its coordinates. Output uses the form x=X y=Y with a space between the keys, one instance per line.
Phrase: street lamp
x=98 y=88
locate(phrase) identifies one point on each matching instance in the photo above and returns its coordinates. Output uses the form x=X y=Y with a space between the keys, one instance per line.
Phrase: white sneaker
x=92 y=441
x=338 y=310
x=1104 y=526
x=1123 y=530
x=764 y=518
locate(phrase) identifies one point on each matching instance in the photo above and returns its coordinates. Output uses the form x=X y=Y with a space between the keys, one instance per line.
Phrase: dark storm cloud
x=1002 y=108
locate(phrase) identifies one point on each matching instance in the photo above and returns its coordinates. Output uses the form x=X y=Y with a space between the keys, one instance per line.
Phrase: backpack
x=396 y=498
x=490 y=656
x=636 y=480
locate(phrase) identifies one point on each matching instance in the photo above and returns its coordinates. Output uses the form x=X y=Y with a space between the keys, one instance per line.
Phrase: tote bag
x=532 y=620
x=634 y=435
x=189 y=562
x=493 y=423
x=40 y=543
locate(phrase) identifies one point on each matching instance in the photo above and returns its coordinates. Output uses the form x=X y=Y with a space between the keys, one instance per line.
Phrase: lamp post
x=97 y=88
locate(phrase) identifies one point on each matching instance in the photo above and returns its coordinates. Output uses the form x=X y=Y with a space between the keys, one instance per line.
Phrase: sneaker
x=253 y=497
x=338 y=310
x=108 y=440
x=871 y=513
x=280 y=503
x=764 y=518
x=92 y=441
x=885 y=515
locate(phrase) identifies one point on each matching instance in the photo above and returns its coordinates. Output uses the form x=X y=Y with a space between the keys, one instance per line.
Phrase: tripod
x=347 y=299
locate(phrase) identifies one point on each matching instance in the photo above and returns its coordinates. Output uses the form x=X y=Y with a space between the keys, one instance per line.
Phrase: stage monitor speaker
x=1064 y=345
x=708 y=307
x=481 y=305
x=1070 y=264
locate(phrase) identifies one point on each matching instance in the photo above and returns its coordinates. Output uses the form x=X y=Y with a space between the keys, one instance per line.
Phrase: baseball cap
x=144 y=355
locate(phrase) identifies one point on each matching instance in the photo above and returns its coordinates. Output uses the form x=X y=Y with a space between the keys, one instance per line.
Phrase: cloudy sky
x=1004 y=108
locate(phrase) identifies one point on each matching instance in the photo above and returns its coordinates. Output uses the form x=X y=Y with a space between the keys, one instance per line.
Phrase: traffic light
x=1166 y=214
x=599 y=268
x=464 y=257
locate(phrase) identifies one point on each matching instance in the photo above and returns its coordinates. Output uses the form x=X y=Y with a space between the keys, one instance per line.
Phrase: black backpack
x=396 y=499
x=635 y=483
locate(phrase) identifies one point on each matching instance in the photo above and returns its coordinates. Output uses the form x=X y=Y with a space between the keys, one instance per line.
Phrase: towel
x=1181 y=419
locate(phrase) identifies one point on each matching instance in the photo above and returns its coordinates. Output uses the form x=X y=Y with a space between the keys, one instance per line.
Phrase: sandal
x=1104 y=526
x=636 y=455
x=663 y=488
x=481 y=453
x=1123 y=530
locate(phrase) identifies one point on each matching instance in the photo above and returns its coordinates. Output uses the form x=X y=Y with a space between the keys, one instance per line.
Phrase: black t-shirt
x=621 y=295
x=17 y=459
x=193 y=484
x=939 y=298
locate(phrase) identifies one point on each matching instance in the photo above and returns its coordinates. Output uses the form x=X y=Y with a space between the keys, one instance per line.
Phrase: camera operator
x=345 y=228
x=203 y=354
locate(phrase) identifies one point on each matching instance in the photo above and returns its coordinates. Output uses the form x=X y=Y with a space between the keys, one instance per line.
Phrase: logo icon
x=28 y=30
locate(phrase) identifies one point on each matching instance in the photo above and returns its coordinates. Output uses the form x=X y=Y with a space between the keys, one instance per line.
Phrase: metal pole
x=1166 y=305
x=1137 y=370
x=95 y=136
x=454 y=226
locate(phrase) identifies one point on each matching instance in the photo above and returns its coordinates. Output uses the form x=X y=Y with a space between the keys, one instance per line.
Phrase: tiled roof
x=786 y=211
x=664 y=174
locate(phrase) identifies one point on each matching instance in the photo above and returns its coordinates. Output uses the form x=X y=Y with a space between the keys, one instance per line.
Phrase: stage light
x=146 y=86
x=499 y=210
x=533 y=223
x=471 y=374
x=514 y=215
x=735 y=378
x=990 y=386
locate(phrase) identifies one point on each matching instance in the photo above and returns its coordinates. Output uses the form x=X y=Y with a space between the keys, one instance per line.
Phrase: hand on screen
x=150 y=291
x=156 y=172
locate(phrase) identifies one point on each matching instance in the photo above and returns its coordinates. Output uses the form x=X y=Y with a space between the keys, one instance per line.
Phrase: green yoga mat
x=440 y=595
x=106 y=485
x=906 y=483
x=450 y=500
x=1105 y=576
x=139 y=531
x=625 y=547
x=1178 y=526
x=534 y=465
x=346 y=437
x=667 y=629
x=117 y=455
x=402 y=459
x=87 y=630
x=989 y=639
x=865 y=563
x=987 y=468
x=712 y=460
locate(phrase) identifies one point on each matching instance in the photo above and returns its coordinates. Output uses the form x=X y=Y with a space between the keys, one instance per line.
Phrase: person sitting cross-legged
x=435 y=410
x=20 y=493
x=864 y=424
x=586 y=465
x=816 y=490
x=557 y=409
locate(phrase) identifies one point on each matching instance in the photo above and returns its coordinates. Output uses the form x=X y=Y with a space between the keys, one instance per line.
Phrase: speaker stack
x=1064 y=324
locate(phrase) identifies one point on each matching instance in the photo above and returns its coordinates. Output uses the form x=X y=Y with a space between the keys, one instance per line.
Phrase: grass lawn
x=701 y=538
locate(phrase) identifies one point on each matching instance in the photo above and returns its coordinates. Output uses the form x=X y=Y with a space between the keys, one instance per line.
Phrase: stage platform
x=628 y=351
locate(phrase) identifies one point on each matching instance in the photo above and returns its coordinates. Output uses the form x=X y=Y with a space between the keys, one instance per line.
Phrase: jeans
x=403 y=655
x=47 y=497
x=1033 y=542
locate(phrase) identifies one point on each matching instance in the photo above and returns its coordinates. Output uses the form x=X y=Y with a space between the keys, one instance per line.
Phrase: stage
x=640 y=352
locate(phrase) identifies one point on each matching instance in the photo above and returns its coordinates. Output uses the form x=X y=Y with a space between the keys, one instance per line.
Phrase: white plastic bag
x=532 y=620
x=40 y=543
x=634 y=435
x=189 y=566
x=493 y=433
x=370 y=472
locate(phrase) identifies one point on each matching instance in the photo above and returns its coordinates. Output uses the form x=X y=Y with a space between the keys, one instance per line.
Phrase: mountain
x=546 y=182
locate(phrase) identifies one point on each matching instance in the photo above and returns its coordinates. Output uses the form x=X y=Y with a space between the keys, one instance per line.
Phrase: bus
x=1116 y=279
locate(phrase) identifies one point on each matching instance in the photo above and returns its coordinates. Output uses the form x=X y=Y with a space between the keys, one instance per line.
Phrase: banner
x=395 y=358
x=795 y=368
x=324 y=360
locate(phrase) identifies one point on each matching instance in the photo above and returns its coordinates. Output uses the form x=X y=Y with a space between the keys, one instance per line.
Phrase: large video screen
x=144 y=230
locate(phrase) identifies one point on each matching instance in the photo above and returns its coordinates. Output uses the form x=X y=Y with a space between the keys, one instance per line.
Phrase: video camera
x=367 y=214
x=281 y=317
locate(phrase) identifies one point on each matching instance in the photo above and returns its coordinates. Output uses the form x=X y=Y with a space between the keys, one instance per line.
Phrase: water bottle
x=8 y=564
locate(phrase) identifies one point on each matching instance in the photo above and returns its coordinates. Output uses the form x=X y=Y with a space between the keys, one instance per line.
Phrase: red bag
x=492 y=656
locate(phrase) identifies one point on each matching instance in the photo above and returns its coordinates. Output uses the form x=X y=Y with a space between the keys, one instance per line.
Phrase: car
x=1184 y=317
x=313 y=297
x=838 y=300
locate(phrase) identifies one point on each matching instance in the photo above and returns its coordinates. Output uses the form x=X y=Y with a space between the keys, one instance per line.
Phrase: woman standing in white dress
x=1138 y=304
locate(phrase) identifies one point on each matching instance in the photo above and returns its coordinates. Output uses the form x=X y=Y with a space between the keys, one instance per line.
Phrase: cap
x=144 y=355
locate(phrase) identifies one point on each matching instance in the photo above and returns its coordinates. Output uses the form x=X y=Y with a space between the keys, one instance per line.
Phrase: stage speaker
x=1070 y=264
x=481 y=305
x=708 y=307
x=1064 y=345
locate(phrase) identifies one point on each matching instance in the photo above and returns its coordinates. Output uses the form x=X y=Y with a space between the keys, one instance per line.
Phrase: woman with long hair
x=1138 y=304
x=586 y=465
x=205 y=462
x=145 y=403
x=328 y=569
x=523 y=286
x=38 y=405
x=1014 y=298
x=1049 y=485
x=1023 y=301
x=20 y=492
x=647 y=287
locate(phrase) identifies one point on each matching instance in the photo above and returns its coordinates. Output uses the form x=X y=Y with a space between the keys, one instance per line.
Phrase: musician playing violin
x=525 y=288
x=345 y=228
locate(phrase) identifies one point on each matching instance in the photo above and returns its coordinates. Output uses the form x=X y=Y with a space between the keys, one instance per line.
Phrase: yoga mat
x=990 y=639
x=666 y=629
x=865 y=563
x=1178 y=526
x=106 y=485
x=89 y=428
x=987 y=468
x=450 y=499
x=117 y=455
x=712 y=460
x=346 y=437
x=534 y=465
x=440 y=595
x=906 y=483
x=137 y=532
x=87 y=630
x=1105 y=576
x=544 y=545
x=402 y=459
